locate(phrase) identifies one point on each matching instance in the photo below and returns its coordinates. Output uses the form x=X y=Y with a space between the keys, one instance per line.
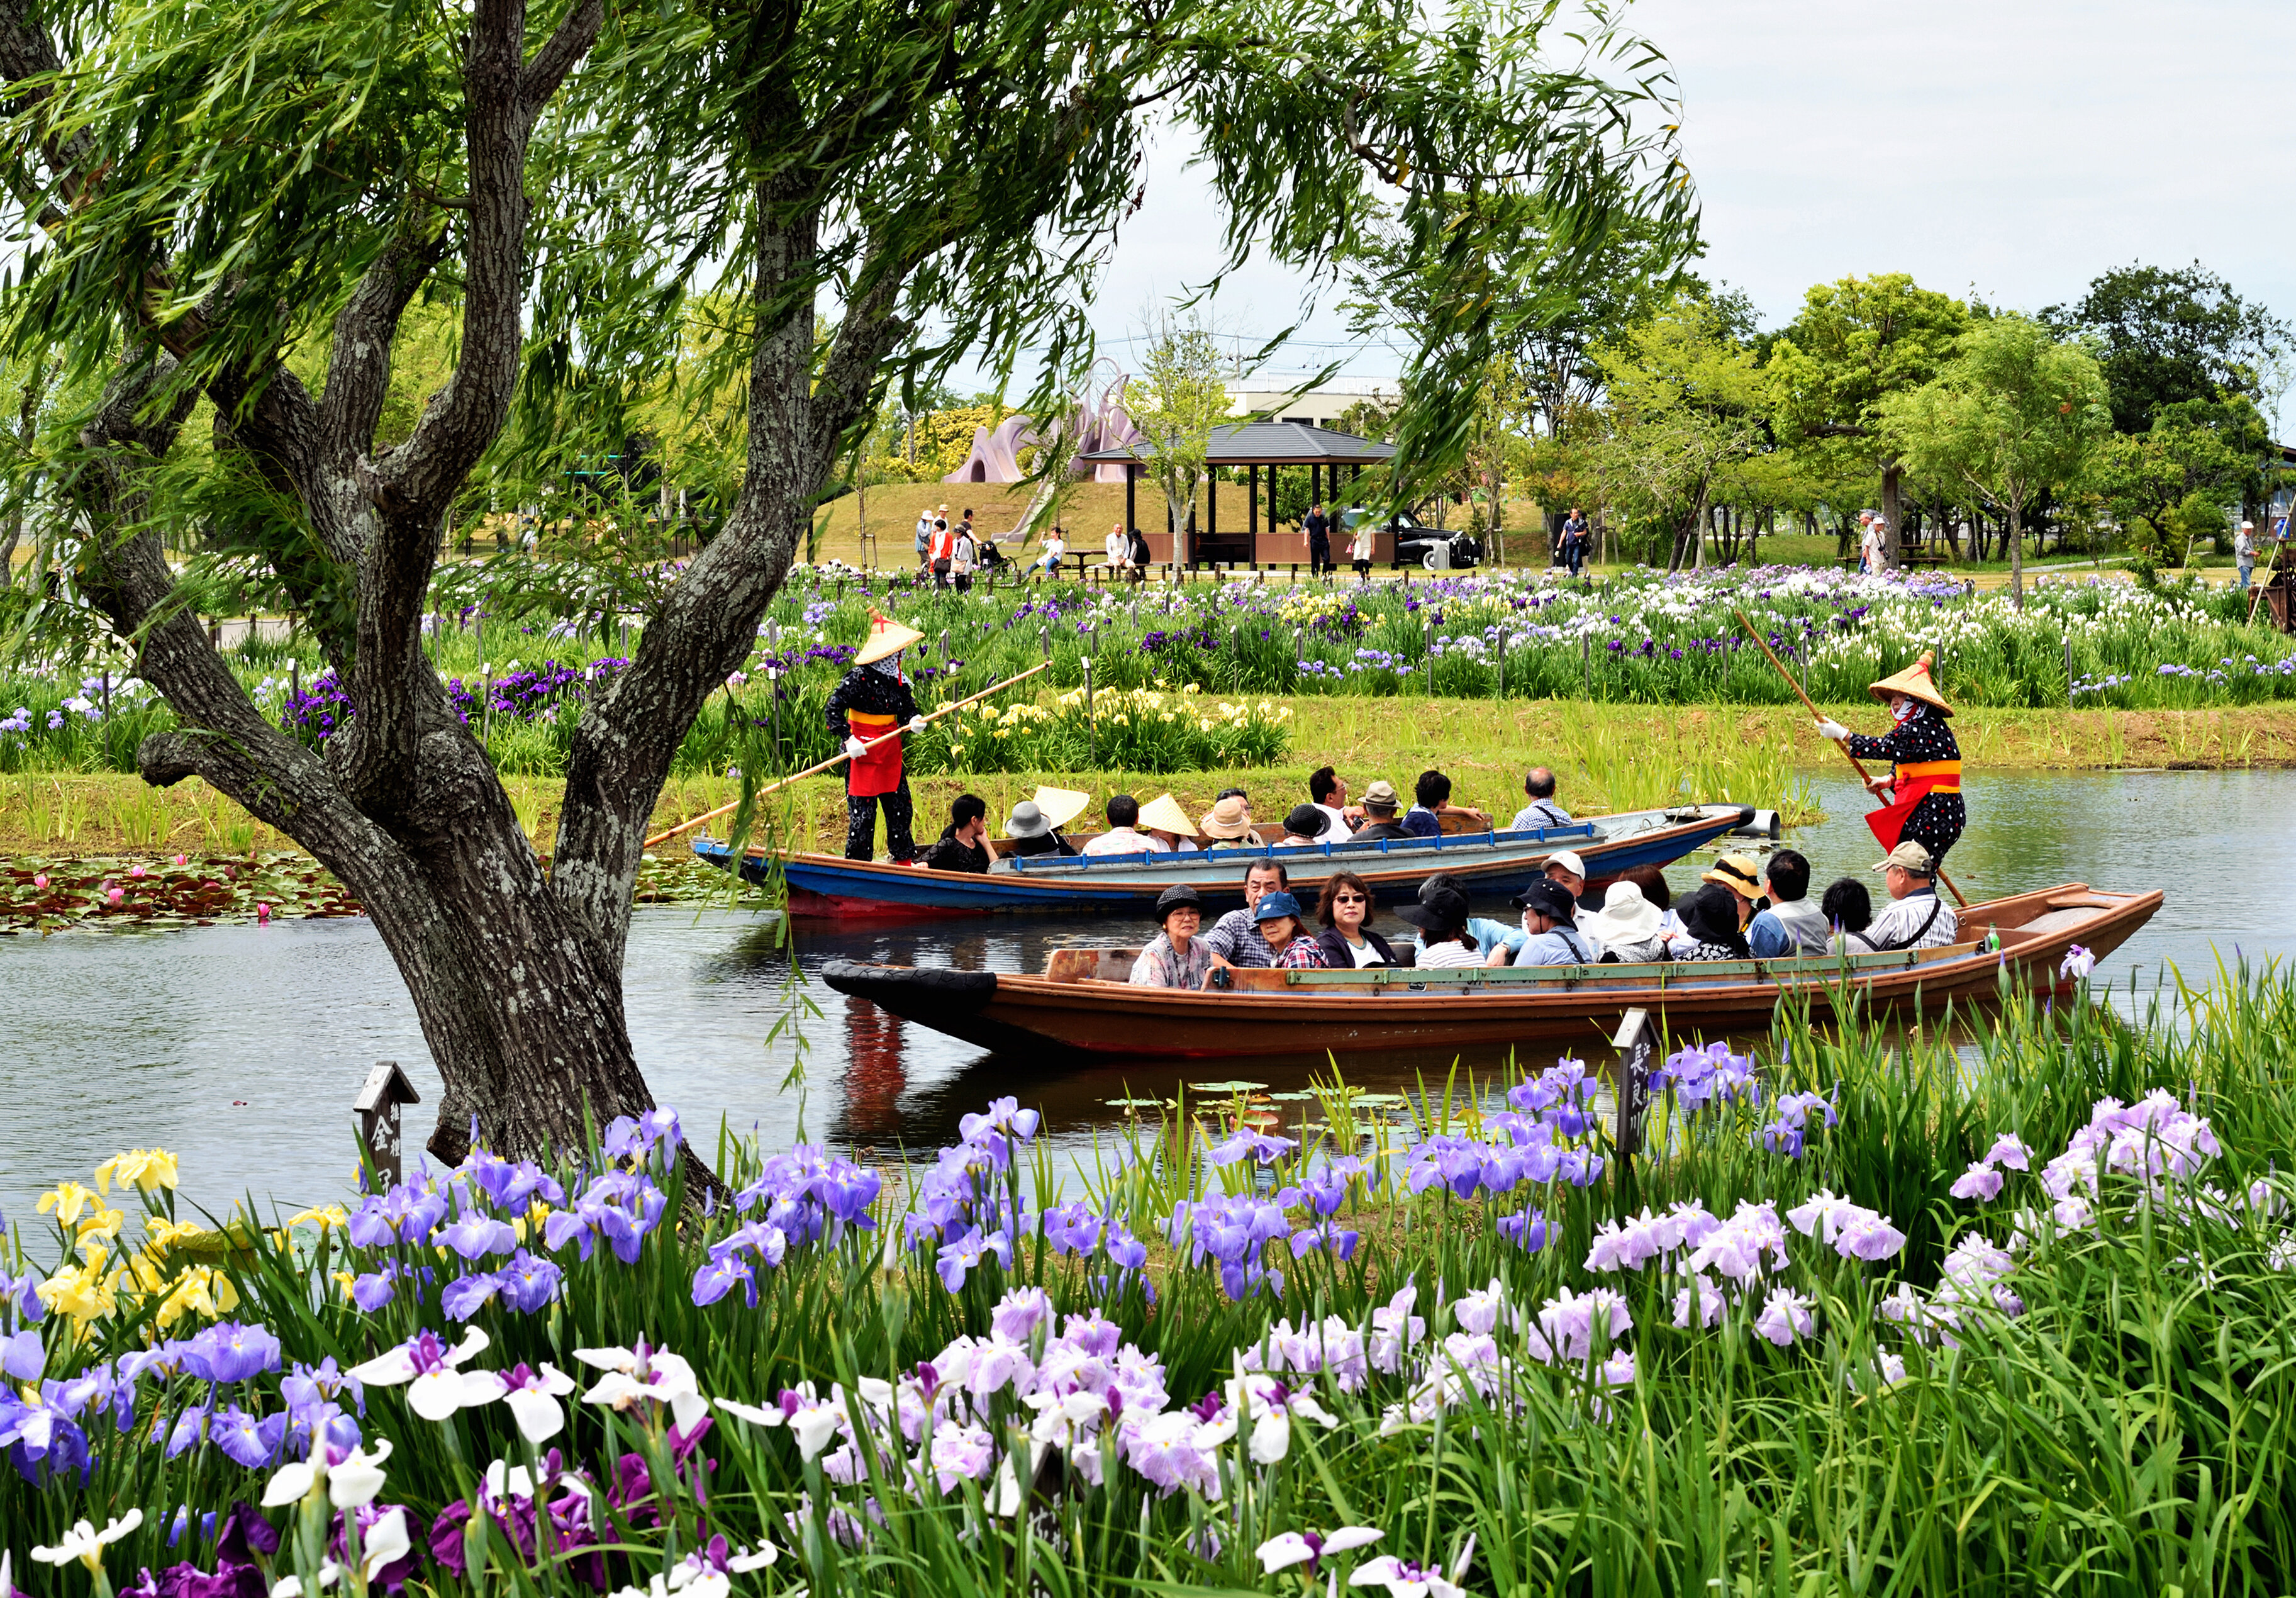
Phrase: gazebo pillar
x=1131 y=484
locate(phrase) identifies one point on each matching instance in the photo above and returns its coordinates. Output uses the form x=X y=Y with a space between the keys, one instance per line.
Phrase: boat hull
x=826 y=885
x=1286 y=1013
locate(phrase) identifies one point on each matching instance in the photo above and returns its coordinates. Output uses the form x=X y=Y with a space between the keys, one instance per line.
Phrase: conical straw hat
x=1061 y=806
x=1914 y=682
x=1163 y=814
x=886 y=637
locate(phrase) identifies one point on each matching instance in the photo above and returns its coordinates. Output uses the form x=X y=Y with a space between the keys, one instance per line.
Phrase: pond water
x=239 y=1048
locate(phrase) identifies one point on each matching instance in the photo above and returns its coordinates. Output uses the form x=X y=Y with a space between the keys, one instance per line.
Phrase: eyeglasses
x=1349 y=898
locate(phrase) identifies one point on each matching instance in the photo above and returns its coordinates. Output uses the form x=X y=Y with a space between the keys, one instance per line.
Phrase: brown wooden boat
x=1084 y=1001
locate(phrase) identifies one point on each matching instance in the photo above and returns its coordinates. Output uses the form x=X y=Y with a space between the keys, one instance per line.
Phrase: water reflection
x=239 y=1047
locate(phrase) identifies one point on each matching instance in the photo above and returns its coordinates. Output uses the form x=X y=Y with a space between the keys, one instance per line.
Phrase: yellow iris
x=160 y=1234
x=100 y=1227
x=67 y=1203
x=144 y=1169
x=327 y=1217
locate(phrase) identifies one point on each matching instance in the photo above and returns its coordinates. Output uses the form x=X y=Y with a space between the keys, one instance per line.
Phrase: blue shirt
x=1488 y=934
x=1559 y=946
x=1540 y=813
x=1422 y=823
x=1767 y=939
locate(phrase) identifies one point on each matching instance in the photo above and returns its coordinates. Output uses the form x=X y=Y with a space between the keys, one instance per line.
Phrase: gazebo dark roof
x=1271 y=444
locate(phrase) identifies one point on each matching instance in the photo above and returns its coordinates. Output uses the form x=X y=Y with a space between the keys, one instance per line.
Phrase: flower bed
x=1871 y=1310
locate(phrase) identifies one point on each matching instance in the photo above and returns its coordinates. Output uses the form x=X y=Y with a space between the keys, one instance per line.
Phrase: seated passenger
x=1327 y=791
x=1120 y=839
x=963 y=843
x=1276 y=918
x=1915 y=918
x=1346 y=938
x=1379 y=805
x=1792 y=926
x=1034 y=824
x=1441 y=916
x=1228 y=824
x=1565 y=869
x=1626 y=927
x=1847 y=907
x=1177 y=957
x=1550 y=916
x=1163 y=820
x=1712 y=925
x=1538 y=787
x=1425 y=819
x=1234 y=939
x=1305 y=823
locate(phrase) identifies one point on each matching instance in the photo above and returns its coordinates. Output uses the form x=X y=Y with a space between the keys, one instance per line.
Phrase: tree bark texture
x=1893 y=477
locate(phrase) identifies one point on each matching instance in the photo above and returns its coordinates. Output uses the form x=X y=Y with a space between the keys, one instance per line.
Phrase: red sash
x=1916 y=781
x=879 y=770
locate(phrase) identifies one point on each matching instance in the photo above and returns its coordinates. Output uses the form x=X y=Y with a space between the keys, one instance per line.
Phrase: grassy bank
x=1608 y=756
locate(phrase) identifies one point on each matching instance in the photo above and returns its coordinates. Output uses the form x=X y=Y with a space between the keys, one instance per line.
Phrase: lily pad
x=1290 y=1098
x=1134 y=1103
x=1226 y=1086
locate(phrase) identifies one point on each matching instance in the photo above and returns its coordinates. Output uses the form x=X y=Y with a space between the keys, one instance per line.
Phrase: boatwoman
x=874 y=700
x=1927 y=805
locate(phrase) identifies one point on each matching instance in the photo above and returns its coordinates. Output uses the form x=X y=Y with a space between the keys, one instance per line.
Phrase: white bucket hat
x=1625 y=917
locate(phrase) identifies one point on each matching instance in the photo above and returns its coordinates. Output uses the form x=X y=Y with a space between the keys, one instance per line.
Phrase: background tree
x=2196 y=452
x=1856 y=343
x=1179 y=397
x=2014 y=411
x=2166 y=336
x=207 y=198
x=1686 y=402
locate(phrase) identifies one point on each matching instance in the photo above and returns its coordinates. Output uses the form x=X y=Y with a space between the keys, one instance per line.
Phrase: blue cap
x=1272 y=905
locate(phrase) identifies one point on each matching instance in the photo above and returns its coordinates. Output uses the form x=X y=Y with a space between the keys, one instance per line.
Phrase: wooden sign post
x=1637 y=1045
x=377 y=1107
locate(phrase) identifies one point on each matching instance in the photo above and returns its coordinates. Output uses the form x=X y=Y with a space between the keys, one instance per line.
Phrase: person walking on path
x=2243 y=552
x=1318 y=528
x=1574 y=541
x=874 y=698
x=1927 y=804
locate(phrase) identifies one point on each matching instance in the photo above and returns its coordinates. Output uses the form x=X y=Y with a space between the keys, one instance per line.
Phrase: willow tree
x=879 y=188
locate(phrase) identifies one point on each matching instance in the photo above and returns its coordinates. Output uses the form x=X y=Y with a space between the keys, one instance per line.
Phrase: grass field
x=1600 y=751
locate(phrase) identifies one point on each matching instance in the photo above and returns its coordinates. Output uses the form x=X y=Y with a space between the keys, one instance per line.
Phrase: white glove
x=855 y=748
x=1833 y=730
x=916 y=724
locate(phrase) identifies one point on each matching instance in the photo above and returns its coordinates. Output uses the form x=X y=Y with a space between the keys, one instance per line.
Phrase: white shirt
x=1365 y=955
x=1450 y=953
x=1123 y=841
x=1120 y=549
x=1341 y=832
x=1055 y=549
x=961 y=555
x=1894 y=925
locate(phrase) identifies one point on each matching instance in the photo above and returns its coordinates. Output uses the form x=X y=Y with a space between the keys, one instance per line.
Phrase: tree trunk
x=1892 y=503
x=2015 y=533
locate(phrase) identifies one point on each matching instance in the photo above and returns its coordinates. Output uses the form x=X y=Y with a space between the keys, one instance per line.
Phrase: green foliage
x=1179 y=397
x=2165 y=336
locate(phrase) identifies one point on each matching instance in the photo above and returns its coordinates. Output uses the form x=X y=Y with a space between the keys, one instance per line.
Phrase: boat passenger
x=1305 y=823
x=1234 y=939
x=1228 y=824
x=1425 y=818
x=1120 y=839
x=1915 y=918
x=1328 y=791
x=1177 y=957
x=1742 y=874
x=1847 y=907
x=1281 y=927
x=1538 y=787
x=963 y=843
x=1565 y=869
x=1163 y=820
x=1379 y=804
x=1791 y=925
x=1626 y=927
x=1035 y=831
x=1549 y=916
x=1496 y=940
x=1441 y=916
x=1345 y=912
x=1711 y=923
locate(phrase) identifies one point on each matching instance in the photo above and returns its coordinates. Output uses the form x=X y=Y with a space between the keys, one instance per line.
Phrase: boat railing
x=1368 y=849
x=1675 y=974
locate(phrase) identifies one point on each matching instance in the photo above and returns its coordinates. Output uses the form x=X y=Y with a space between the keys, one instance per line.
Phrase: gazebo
x=1259 y=447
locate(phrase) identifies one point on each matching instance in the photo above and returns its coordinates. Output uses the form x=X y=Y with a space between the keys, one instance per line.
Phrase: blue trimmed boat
x=1492 y=863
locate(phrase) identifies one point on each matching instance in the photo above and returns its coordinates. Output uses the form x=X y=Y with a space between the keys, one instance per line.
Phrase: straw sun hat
x=1914 y=682
x=1047 y=808
x=886 y=637
x=1227 y=819
x=1163 y=814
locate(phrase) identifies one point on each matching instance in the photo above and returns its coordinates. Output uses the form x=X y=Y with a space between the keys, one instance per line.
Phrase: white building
x=1283 y=397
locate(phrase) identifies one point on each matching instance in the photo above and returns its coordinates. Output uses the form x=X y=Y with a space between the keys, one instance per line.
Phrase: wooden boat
x=1497 y=862
x=1083 y=1001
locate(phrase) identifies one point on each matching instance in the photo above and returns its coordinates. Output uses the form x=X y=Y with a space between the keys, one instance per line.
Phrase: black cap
x=1550 y=898
x=1306 y=821
x=1439 y=909
x=1179 y=896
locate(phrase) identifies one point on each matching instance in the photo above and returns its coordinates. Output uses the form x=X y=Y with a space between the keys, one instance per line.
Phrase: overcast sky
x=2010 y=148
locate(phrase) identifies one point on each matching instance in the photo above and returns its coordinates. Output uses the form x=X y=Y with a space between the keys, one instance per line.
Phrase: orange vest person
x=874 y=700
x=1927 y=805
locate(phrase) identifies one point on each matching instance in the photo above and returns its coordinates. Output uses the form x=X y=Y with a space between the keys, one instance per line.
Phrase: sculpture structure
x=1097 y=419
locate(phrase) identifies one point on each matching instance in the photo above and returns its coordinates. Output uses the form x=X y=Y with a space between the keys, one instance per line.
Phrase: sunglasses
x=1349 y=898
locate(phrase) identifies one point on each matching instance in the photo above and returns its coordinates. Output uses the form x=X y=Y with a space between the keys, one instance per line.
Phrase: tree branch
x=560 y=53
x=359 y=366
